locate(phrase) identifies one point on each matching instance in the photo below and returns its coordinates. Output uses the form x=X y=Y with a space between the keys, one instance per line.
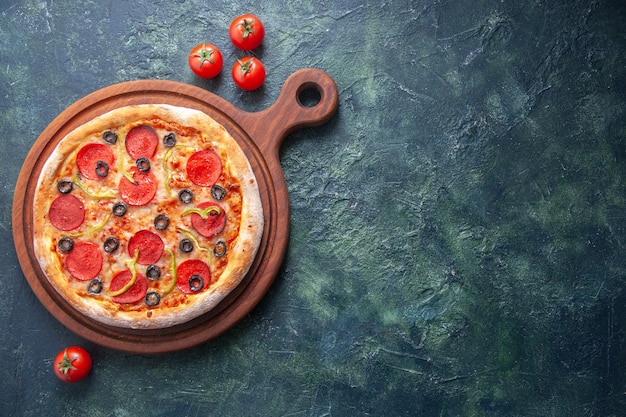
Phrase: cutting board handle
x=308 y=98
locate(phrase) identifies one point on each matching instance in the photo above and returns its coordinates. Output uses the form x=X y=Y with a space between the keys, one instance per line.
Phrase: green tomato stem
x=247 y=28
x=66 y=364
x=205 y=55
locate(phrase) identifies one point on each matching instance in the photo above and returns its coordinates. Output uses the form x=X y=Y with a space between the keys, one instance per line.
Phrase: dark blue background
x=457 y=230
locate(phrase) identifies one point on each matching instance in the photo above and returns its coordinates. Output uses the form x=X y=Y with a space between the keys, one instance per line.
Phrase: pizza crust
x=242 y=250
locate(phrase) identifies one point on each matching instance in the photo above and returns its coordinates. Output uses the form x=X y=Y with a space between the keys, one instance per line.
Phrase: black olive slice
x=185 y=196
x=220 y=249
x=143 y=164
x=109 y=137
x=161 y=222
x=102 y=169
x=185 y=245
x=153 y=298
x=153 y=272
x=169 y=140
x=111 y=244
x=65 y=186
x=196 y=282
x=119 y=209
x=94 y=286
x=218 y=192
x=65 y=244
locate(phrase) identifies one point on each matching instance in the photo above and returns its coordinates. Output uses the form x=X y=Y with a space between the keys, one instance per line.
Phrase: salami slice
x=212 y=224
x=204 y=167
x=66 y=212
x=142 y=192
x=94 y=160
x=135 y=293
x=194 y=276
x=141 y=142
x=150 y=246
x=84 y=261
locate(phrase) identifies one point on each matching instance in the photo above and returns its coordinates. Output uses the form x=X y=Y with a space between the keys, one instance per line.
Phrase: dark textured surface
x=457 y=231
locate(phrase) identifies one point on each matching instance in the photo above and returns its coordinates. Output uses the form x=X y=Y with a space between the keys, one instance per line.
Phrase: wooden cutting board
x=308 y=98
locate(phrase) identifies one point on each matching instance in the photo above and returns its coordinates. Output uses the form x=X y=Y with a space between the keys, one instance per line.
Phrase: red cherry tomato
x=249 y=73
x=72 y=364
x=205 y=60
x=247 y=32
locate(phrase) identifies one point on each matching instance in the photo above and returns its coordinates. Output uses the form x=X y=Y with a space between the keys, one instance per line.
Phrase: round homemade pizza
x=147 y=216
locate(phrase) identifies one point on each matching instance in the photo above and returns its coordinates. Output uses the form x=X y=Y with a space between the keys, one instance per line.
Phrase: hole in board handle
x=309 y=95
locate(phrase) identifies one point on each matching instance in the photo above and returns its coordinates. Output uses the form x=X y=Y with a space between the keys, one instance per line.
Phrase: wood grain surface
x=259 y=134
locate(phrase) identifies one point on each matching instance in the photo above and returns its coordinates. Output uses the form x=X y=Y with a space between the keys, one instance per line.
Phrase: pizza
x=147 y=216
